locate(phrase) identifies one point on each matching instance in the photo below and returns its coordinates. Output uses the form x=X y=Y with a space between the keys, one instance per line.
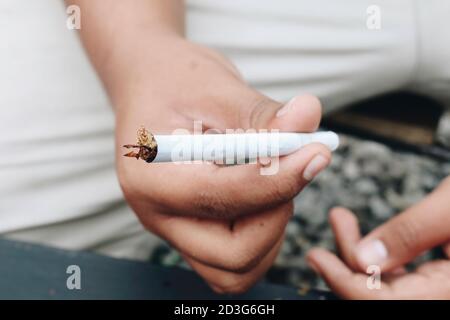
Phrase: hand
x=390 y=246
x=227 y=222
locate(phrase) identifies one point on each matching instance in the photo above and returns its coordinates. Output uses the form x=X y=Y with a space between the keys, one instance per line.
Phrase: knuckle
x=241 y=259
x=260 y=112
x=208 y=203
x=242 y=264
x=236 y=289
x=283 y=191
x=232 y=285
x=292 y=185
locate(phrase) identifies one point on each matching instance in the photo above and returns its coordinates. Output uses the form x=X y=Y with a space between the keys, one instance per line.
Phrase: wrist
x=136 y=67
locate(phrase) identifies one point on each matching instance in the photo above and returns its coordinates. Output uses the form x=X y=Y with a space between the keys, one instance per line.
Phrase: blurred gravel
x=369 y=178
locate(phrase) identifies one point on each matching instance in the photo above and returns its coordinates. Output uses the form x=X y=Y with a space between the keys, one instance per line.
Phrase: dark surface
x=398 y=111
x=29 y=271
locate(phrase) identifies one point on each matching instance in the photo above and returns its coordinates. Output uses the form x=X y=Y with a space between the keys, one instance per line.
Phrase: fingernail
x=286 y=108
x=372 y=253
x=315 y=166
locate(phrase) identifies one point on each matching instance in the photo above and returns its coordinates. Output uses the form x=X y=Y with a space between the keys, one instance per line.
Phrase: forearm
x=120 y=35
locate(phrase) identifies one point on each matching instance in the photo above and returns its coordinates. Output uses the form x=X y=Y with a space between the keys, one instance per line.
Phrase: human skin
x=390 y=246
x=226 y=221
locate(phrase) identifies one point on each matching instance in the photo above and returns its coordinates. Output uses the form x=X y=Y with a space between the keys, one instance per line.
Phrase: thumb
x=301 y=114
x=406 y=236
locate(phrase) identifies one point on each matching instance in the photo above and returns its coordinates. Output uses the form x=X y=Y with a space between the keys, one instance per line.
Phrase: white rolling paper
x=236 y=148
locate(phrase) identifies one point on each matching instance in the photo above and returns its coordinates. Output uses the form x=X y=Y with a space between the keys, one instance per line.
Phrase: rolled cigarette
x=234 y=148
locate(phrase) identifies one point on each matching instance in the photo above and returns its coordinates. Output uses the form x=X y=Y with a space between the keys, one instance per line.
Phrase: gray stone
x=351 y=170
x=443 y=131
x=372 y=167
x=293 y=228
x=380 y=208
x=365 y=186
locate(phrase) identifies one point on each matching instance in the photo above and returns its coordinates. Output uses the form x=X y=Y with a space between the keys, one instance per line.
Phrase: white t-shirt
x=57 y=179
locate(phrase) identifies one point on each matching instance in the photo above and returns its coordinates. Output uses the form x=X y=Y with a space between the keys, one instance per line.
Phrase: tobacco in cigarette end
x=146 y=143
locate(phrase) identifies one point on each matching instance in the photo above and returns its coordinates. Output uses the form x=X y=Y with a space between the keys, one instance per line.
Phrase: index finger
x=209 y=191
